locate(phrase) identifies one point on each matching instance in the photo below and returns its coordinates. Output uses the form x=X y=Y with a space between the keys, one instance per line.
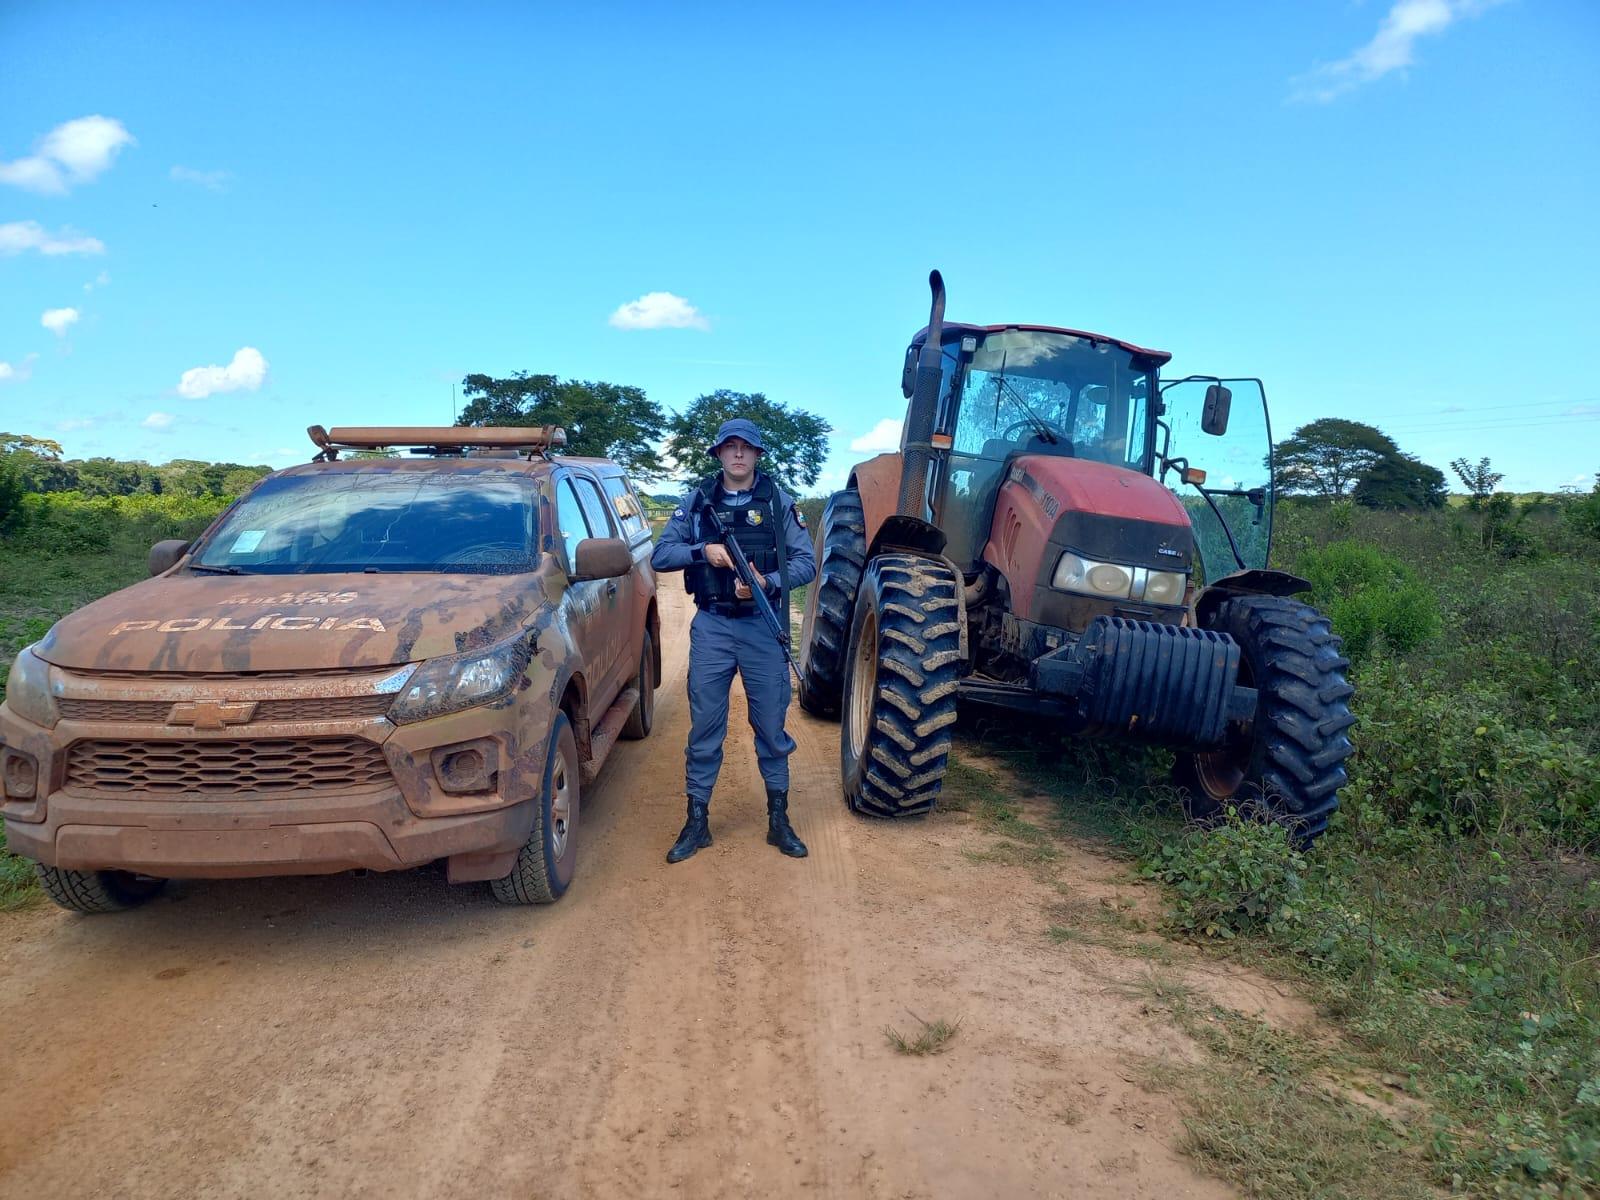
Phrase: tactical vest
x=756 y=525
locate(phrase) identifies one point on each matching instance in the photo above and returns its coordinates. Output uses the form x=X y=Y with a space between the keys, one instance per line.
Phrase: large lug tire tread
x=842 y=559
x=913 y=713
x=1293 y=766
x=96 y=891
x=536 y=876
x=643 y=717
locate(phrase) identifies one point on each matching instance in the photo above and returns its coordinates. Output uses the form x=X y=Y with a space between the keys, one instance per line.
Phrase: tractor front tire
x=842 y=555
x=1288 y=766
x=900 y=695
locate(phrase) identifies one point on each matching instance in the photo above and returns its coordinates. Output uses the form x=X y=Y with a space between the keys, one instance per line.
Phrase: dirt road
x=709 y=1029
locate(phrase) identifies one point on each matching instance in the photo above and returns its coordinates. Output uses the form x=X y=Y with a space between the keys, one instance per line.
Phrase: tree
x=1479 y=480
x=35 y=463
x=796 y=441
x=1401 y=481
x=606 y=420
x=1329 y=456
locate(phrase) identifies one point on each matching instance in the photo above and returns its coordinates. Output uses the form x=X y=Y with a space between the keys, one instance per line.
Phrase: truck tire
x=841 y=558
x=643 y=717
x=1288 y=766
x=543 y=869
x=900 y=695
x=97 y=891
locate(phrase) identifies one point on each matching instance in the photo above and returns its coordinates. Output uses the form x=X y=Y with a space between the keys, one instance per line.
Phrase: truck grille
x=156 y=712
x=232 y=768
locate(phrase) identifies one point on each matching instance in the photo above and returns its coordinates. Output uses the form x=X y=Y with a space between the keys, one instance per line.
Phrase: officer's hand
x=741 y=589
x=717 y=556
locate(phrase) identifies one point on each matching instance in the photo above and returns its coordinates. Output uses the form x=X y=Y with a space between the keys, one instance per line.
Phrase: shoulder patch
x=678 y=513
x=799 y=517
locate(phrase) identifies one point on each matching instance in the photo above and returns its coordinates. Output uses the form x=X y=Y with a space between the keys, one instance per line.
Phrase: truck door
x=616 y=595
x=585 y=602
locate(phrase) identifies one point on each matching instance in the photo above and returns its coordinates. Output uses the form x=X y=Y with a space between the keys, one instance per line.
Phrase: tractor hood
x=1081 y=486
x=218 y=623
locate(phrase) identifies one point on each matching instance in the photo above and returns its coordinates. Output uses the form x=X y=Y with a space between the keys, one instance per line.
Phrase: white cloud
x=158 y=420
x=246 y=372
x=212 y=181
x=99 y=281
x=17 y=372
x=659 y=310
x=75 y=424
x=1392 y=48
x=17 y=236
x=882 y=438
x=72 y=153
x=58 y=320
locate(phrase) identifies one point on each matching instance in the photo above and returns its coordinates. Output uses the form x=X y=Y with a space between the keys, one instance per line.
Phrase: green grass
x=931 y=1038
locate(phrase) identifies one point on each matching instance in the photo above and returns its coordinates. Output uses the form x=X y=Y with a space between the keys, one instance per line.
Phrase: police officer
x=729 y=633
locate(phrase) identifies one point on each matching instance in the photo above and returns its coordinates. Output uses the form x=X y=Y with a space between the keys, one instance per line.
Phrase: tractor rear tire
x=841 y=559
x=900 y=695
x=1289 y=766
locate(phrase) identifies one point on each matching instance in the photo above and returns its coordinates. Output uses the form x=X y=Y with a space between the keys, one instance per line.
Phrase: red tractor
x=1023 y=551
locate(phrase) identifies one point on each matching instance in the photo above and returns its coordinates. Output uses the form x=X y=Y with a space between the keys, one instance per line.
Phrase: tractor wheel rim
x=560 y=808
x=863 y=685
x=1220 y=774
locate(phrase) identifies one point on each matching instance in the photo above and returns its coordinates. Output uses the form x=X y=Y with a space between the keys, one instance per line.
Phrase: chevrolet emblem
x=211 y=714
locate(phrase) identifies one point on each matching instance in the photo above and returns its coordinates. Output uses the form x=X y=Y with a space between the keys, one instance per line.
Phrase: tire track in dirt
x=707 y=1029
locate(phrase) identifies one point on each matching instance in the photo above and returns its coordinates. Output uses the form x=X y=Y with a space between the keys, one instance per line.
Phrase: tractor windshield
x=1034 y=392
x=1053 y=393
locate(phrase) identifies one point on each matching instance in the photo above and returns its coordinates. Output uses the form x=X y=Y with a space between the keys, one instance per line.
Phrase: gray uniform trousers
x=717 y=646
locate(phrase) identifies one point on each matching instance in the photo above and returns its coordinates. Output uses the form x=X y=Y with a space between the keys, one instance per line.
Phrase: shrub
x=1370 y=597
x=1239 y=876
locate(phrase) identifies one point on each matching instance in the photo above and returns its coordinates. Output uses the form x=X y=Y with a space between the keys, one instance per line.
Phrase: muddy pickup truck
x=365 y=662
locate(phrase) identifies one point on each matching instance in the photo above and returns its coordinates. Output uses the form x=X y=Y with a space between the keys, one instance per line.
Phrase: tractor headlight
x=28 y=690
x=1077 y=574
x=447 y=685
x=1164 y=587
x=1074 y=573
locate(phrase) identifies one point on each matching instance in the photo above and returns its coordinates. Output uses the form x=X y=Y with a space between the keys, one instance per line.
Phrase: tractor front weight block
x=1168 y=684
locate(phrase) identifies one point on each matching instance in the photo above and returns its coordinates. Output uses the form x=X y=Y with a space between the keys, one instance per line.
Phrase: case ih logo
x=211 y=714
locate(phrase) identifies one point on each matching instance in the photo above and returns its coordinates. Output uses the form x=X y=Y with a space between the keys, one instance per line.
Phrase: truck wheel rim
x=863 y=685
x=560 y=808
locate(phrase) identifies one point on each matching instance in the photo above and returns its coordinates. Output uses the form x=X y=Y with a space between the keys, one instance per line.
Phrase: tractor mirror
x=1214 y=417
x=908 y=373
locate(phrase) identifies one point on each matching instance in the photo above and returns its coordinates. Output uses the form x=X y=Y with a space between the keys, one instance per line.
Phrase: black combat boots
x=779 y=831
x=696 y=833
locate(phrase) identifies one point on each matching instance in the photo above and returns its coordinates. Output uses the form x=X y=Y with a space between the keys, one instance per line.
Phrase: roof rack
x=530 y=439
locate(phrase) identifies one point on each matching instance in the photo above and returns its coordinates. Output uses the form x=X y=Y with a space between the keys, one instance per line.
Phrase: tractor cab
x=1008 y=391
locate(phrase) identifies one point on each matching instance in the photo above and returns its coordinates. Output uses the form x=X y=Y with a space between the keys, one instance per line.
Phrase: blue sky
x=291 y=214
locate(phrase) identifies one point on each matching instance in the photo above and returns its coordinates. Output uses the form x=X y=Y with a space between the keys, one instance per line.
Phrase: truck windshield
x=459 y=521
x=1053 y=393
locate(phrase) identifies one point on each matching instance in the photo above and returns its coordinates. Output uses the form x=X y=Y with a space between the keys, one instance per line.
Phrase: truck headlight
x=1075 y=573
x=28 y=690
x=447 y=685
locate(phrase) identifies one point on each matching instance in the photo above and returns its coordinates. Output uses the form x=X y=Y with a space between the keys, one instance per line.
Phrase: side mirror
x=165 y=555
x=1214 y=417
x=601 y=558
x=908 y=373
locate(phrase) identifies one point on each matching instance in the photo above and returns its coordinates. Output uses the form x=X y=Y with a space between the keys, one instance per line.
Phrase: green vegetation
x=65 y=550
x=932 y=1038
x=1449 y=924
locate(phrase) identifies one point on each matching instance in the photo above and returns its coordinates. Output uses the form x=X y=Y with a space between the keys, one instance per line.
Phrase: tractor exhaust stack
x=917 y=446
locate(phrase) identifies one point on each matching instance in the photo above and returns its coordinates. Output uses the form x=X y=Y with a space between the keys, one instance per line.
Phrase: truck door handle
x=611 y=587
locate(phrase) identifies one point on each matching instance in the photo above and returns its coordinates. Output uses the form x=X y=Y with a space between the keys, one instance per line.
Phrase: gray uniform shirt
x=680 y=544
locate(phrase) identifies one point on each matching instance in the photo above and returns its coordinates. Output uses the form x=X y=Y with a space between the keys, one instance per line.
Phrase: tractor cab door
x=1215 y=453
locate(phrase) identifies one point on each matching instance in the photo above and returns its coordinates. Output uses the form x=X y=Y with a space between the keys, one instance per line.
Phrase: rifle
x=748 y=576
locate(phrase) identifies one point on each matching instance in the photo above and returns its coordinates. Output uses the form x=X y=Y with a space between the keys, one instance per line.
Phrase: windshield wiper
x=217 y=570
x=1038 y=421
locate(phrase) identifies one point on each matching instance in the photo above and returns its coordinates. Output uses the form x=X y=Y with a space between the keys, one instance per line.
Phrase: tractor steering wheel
x=1010 y=432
